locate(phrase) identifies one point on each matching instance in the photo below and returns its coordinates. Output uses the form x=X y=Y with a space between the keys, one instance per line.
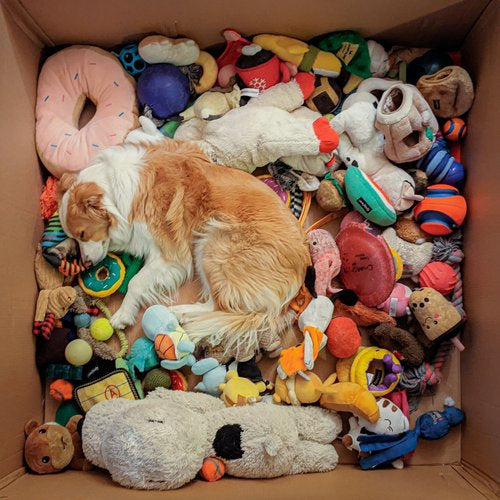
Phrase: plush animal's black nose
x=227 y=442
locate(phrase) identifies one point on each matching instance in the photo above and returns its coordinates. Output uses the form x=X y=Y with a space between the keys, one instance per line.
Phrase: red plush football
x=367 y=264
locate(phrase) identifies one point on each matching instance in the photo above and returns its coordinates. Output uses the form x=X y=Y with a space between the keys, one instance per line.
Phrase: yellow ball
x=78 y=352
x=101 y=329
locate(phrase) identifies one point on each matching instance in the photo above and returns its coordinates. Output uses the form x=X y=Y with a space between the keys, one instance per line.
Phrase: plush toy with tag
x=52 y=447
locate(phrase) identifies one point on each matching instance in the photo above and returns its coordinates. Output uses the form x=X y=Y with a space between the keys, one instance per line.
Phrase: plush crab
x=171 y=341
x=272 y=126
x=161 y=442
x=362 y=145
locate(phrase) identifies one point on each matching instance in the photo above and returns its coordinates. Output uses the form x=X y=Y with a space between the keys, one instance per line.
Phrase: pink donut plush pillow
x=67 y=79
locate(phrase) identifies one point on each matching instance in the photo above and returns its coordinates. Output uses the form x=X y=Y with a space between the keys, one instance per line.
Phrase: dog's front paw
x=122 y=318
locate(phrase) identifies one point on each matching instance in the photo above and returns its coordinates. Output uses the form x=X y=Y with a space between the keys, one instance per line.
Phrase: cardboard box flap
x=112 y=22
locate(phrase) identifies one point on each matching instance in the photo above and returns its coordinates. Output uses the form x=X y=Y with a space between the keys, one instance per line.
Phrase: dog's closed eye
x=156 y=421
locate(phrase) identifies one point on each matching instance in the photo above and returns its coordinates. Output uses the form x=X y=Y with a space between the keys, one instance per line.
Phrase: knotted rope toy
x=416 y=380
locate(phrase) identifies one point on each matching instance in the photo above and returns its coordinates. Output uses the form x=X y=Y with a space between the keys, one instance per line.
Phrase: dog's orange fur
x=249 y=248
x=259 y=242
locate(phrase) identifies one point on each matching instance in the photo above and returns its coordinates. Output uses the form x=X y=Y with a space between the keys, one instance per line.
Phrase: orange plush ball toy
x=343 y=337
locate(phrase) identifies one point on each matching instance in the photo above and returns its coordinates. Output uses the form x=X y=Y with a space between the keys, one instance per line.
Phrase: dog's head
x=84 y=217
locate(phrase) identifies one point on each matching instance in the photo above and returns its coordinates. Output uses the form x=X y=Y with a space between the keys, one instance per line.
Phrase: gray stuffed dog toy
x=160 y=442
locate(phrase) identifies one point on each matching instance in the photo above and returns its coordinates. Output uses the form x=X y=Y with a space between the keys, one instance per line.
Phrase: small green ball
x=78 y=352
x=101 y=329
x=156 y=378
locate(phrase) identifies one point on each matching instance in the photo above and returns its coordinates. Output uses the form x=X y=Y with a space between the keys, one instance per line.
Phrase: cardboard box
x=462 y=465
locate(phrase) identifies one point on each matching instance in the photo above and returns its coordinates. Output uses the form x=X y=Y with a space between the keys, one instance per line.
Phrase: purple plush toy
x=164 y=88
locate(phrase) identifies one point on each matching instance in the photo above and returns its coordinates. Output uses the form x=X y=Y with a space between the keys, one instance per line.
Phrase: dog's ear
x=66 y=181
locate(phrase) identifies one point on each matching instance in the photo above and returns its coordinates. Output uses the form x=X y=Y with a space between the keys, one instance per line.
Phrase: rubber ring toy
x=66 y=81
x=376 y=370
x=442 y=211
x=104 y=278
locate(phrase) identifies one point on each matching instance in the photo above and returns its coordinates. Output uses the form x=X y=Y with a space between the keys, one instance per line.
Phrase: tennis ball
x=82 y=320
x=212 y=469
x=78 y=352
x=101 y=329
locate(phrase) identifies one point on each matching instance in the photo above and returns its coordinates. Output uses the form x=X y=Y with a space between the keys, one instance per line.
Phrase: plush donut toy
x=104 y=278
x=67 y=80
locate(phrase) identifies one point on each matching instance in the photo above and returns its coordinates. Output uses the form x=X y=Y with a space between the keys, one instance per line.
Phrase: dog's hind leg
x=185 y=311
x=152 y=284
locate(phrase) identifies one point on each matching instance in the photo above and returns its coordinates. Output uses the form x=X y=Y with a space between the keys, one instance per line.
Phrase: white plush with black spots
x=160 y=442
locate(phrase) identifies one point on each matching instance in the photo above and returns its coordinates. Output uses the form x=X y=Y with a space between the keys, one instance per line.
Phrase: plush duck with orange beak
x=171 y=341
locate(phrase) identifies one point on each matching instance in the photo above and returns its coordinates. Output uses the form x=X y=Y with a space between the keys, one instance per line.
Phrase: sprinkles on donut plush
x=67 y=80
x=104 y=278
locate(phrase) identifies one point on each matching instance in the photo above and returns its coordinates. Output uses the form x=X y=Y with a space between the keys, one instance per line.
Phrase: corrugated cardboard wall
x=20 y=231
x=480 y=372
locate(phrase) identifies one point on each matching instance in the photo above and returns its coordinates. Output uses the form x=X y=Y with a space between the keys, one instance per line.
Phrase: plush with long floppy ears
x=160 y=443
x=52 y=447
x=361 y=145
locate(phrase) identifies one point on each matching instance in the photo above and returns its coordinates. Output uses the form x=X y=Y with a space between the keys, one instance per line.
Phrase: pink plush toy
x=326 y=260
x=397 y=303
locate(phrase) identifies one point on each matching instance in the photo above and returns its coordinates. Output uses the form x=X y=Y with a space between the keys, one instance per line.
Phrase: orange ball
x=343 y=337
x=212 y=469
x=454 y=129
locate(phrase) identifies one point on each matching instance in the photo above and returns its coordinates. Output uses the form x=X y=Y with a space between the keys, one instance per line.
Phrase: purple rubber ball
x=164 y=88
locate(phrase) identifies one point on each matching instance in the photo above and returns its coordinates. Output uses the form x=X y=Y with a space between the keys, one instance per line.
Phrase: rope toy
x=417 y=380
x=449 y=250
x=84 y=305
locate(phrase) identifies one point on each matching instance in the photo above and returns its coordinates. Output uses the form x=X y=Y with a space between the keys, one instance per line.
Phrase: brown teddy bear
x=51 y=447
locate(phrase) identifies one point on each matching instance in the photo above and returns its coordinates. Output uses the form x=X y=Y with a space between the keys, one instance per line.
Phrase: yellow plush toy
x=351 y=397
x=239 y=391
x=305 y=57
x=299 y=390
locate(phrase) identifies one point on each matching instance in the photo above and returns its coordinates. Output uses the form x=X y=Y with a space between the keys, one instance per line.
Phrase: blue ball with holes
x=133 y=63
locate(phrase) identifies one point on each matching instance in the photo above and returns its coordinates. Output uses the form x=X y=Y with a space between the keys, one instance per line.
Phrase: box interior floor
x=462 y=465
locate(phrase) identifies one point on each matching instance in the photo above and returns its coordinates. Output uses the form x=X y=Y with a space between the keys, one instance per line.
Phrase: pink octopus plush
x=326 y=260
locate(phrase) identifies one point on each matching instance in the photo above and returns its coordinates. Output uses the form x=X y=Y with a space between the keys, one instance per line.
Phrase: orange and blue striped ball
x=212 y=469
x=454 y=129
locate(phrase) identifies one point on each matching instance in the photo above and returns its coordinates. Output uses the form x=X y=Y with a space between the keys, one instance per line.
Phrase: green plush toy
x=368 y=199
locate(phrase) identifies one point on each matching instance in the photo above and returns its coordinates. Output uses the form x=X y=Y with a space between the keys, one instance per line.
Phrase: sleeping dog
x=164 y=201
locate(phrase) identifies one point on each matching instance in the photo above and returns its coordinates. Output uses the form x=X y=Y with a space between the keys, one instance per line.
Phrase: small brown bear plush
x=50 y=447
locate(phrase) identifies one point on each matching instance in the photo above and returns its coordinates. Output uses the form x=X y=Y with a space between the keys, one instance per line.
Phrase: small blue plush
x=173 y=347
x=142 y=355
x=213 y=374
x=384 y=449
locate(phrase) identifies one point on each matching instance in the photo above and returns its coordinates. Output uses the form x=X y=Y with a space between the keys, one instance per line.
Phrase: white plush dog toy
x=160 y=442
x=274 y=125
x=361 y=145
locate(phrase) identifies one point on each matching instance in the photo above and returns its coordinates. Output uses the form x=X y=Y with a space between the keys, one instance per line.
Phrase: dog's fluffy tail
x=240 y=333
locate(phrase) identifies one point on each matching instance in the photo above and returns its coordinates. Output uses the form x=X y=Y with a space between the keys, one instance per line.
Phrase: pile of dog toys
x=375 y=137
